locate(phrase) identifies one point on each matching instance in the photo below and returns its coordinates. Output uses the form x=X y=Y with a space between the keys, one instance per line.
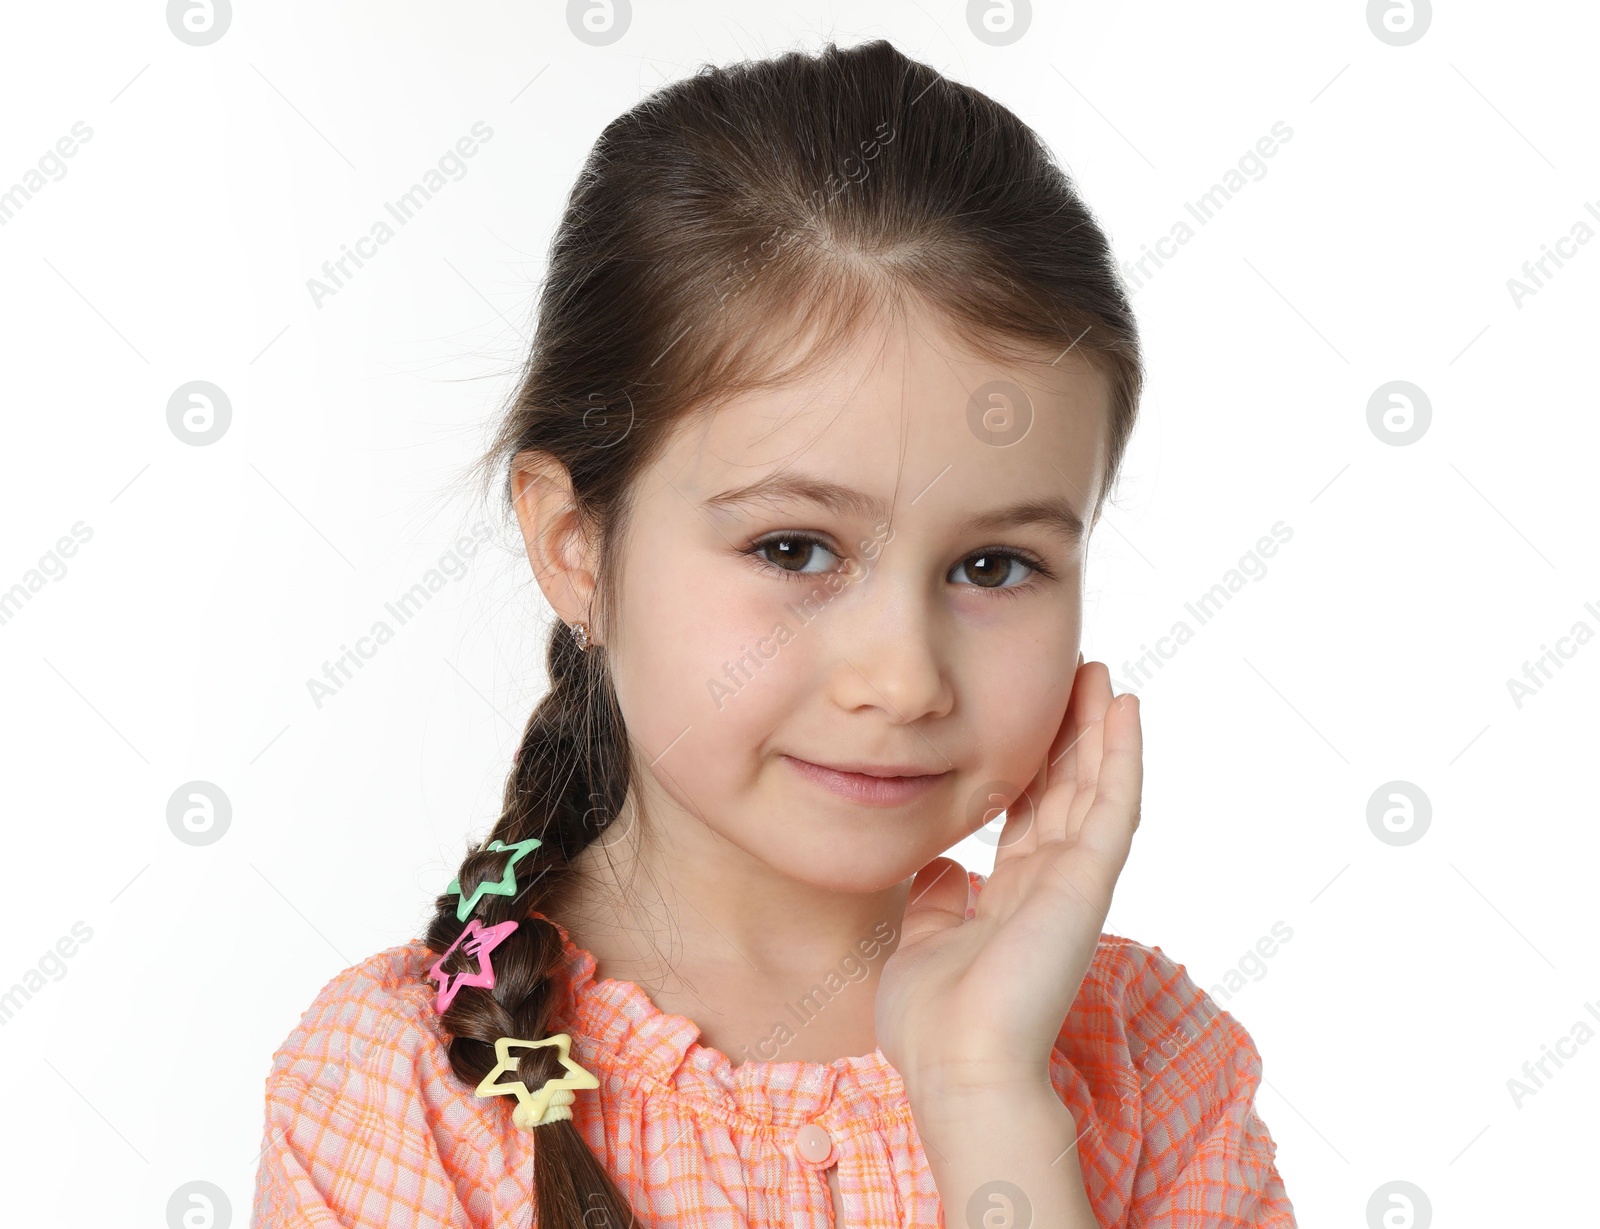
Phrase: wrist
x=952 y=1111
x=978 y=1084
x=1006 y=1144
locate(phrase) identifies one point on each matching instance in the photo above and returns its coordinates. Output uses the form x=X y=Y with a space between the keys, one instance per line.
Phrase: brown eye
x=796 y=554
x=990 y=571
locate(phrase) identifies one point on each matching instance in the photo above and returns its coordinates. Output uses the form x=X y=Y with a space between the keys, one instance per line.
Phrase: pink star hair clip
x=478 y=941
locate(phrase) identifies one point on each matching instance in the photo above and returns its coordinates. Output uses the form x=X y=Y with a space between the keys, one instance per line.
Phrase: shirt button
x=813 y=1143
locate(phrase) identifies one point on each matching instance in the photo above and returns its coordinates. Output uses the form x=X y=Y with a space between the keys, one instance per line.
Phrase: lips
x=869 y=784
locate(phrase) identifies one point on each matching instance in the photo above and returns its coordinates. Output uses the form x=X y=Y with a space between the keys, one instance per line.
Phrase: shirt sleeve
x=308 y=1147
x=1162 y=1083
x=1207 y=1160
x=347 y=1141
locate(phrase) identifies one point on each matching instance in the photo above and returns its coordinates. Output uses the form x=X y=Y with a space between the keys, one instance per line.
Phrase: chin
x=855 y=876
x=857 y=864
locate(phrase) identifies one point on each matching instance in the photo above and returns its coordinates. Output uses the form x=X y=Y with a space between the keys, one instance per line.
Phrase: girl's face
x=848 y=612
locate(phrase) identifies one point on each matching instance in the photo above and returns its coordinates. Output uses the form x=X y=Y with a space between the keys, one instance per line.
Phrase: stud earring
x=580 y=634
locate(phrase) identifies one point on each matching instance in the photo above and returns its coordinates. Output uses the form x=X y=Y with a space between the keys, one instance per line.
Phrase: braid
x=570 y=778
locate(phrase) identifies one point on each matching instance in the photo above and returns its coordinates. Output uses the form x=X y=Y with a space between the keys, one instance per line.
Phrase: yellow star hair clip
x=551 y=1102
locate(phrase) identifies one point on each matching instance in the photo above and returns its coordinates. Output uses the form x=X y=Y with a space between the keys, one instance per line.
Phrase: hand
x=968 y=1006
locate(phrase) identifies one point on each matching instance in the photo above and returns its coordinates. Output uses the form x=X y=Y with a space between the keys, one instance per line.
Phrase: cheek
x=1016 y=699
x=726 y=669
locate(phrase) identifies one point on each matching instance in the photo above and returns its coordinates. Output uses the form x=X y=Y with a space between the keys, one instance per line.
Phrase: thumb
x=937 y=901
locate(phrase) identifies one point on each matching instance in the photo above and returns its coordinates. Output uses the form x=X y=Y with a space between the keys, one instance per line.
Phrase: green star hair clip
x=507 y=884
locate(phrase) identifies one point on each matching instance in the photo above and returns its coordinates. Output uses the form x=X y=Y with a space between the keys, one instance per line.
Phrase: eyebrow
x=785 y=486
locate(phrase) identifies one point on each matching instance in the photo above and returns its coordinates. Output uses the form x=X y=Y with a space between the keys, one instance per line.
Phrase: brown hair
x=805 y=191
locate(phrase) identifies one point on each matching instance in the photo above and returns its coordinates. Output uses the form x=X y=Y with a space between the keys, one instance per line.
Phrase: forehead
x=903 y=408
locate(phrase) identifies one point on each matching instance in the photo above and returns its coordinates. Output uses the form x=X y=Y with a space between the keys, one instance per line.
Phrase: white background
x=219 y=579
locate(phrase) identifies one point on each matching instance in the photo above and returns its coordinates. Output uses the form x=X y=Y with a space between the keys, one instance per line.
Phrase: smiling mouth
x=868 y=785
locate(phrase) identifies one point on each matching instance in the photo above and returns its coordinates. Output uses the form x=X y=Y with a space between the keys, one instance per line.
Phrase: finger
x=1096 y=702
x=1096 y=708
x=1090 y=750
x=1091 y=692
x=1051 y=786
x=1076 y=761
x=1108 y=827
x=1090 y=696
x=937 y=900
x=1058 y=760
x=1090 y=754
x=1097 y=693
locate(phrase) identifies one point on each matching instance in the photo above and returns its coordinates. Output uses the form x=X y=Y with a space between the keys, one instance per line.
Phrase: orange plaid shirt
x=366 y=1125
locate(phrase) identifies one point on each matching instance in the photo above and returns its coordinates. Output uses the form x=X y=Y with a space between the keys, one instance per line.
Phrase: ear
x=560 y=546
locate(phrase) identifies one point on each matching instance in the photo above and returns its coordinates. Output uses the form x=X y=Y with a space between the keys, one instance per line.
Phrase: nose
x=889 y=654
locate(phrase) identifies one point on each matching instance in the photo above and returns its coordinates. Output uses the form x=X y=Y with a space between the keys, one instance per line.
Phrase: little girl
x=832 y=374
